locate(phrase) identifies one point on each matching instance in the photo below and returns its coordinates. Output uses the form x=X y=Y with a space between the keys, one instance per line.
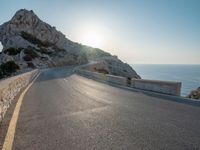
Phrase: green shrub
x=101 y=70
x=12 y=51
x=57 y=49
x=44 y=51
x=27 y=58
x=31 y=52
x=8 y=68
x=30 y=64
x=1 y=74
x=32 y=39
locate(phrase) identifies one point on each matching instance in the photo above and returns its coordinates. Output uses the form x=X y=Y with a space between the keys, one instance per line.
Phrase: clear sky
x=138 y=31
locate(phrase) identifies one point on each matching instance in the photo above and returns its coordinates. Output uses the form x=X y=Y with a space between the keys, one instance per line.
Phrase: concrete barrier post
x=165 y=87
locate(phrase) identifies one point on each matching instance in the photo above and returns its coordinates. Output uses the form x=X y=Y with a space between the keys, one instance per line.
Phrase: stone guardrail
x=165 y=87
x=10 y=87
x=102 y=77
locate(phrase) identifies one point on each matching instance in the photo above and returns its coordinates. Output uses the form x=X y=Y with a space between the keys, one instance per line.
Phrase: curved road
x=63 y=111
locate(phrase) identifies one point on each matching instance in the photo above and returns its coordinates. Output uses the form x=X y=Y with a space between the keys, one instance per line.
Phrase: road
x=64 y=111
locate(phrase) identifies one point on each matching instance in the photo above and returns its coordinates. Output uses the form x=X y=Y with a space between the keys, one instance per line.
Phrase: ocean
x=189 y=75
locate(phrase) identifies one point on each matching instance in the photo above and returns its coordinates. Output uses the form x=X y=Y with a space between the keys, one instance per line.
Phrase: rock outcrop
x=32 y=43
x=26 y=38
x=112 y=65
x=195 y=94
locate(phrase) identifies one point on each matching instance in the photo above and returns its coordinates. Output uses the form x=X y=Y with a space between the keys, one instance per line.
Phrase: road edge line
x=8 y=141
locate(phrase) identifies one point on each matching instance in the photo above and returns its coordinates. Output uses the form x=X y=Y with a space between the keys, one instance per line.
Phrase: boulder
x=195 y=94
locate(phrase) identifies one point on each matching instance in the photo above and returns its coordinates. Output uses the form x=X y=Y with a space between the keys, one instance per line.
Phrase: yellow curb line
x=8 y=142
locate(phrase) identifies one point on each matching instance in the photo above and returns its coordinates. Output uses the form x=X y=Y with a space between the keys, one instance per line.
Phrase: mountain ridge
x=32 y=43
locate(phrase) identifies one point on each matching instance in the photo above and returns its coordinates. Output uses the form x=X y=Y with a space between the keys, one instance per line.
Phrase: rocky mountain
x=195 y=94
x=112 y=65
x=28 y=42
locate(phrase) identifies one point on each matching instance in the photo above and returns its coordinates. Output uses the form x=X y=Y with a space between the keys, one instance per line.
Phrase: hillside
x=29 y=43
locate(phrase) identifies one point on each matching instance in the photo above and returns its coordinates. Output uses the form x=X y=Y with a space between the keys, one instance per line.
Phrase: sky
x=137 y=31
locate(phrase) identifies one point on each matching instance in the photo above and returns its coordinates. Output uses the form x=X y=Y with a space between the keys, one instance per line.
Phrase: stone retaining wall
x=165 y=87
x=10 y=87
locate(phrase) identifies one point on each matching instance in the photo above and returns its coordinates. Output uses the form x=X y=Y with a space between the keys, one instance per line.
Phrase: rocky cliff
x=31 y=43
x=114 y=66
x=195 y=94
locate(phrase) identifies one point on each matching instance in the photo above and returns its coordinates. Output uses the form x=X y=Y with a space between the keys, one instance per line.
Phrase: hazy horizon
x=138 y=32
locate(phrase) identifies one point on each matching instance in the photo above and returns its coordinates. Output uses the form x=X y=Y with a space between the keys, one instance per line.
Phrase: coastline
x=188 y=74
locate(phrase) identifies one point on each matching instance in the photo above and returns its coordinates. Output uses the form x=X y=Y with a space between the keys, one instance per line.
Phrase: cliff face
x=32 y=43
x=28 y=40
x=114 y=66
x=25 y=21
x=195 y=94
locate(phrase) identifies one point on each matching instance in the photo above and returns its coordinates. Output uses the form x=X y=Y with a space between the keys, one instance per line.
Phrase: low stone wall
x=10 y=87
x=102 y=77
x=165 y=87
x=117 y=80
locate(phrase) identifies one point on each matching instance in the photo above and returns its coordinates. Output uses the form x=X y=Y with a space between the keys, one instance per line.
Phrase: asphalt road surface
x=65 y=111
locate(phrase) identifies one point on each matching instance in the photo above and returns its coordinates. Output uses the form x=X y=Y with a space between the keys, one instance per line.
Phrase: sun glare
x=92 y=38
x=1 y=47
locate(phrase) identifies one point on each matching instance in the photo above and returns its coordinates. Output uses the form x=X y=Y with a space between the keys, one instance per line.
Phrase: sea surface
x=189 y=75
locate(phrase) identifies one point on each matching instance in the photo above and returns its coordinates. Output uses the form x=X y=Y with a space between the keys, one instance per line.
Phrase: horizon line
x=159 y=64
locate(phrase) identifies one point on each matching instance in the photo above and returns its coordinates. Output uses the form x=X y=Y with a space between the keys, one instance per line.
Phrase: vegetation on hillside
x=6 y=69
x=30 y=54
x=12 y=51
x=101 y=70
x=32 y=39
x=30 y=65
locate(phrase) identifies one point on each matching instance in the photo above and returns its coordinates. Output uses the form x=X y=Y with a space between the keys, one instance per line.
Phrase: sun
x=92 y=38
